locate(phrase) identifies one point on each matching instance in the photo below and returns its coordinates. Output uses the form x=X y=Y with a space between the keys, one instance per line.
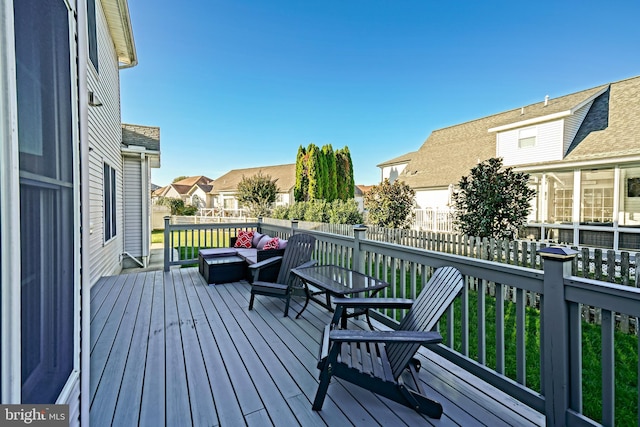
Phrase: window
x=597 y=197
x=560 y=190
x=47 y=211
x=527 y=137
x=109 y=202
x=92 y=33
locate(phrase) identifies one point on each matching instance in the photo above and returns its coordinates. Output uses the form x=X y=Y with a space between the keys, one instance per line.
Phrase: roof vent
x=546 y=100
x=522 y=111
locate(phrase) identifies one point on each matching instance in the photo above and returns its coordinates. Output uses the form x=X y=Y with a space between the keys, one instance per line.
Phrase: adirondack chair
x=296 y=254
x=383 y=361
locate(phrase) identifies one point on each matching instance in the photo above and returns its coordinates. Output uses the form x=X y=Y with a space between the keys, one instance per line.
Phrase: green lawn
x=626 y=353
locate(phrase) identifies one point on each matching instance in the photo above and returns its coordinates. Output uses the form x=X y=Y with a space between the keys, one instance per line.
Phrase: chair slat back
x=298 y=251
x=434 y=299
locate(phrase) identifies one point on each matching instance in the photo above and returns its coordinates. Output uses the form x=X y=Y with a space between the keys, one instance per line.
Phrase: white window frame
x=527 y=137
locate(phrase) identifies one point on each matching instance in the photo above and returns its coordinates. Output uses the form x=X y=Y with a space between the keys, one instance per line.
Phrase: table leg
x=307 y=298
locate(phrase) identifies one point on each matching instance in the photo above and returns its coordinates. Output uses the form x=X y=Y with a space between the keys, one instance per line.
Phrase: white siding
x=548 y=146
x=105 y=136
x=432 y=198
x=133 y=199
x=572 y=124
x=392 y=172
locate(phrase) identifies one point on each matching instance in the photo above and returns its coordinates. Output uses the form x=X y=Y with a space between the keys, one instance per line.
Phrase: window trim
x=527 y=137
x=109 y=198
x=92 y=33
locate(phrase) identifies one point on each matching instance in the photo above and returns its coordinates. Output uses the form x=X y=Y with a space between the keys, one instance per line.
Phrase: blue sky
x=235 y=84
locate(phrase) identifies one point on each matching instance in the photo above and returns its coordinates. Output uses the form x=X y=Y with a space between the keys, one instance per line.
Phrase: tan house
x=582 y=151
x=225 y=187
x=193 y=190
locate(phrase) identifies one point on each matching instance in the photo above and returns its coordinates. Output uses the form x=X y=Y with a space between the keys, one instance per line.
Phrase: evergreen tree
x=492 y=201
x=301 y=189
x=314 y=172
x=331 y=191
x=344 y=172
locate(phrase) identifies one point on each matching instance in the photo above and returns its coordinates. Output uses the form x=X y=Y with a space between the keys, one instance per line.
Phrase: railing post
x=167 y=243
x=555 y=333
x=359 y=234
x=294 y=226
x=259 y=224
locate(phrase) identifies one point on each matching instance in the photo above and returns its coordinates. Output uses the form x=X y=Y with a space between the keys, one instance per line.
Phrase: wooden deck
x=167 y=349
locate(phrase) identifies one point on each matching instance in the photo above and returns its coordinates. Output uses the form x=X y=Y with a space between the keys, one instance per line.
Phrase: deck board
x=167 y=349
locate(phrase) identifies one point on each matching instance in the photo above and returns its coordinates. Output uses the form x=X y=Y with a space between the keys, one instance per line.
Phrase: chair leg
x=251 y=301
x=286 y=306
x=325 y=379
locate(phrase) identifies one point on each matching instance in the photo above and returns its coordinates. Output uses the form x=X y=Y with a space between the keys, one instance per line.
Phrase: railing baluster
x=521 y=353
x=608 y=368
x=464 y=304
x=499 y=287
x=575 y=357
x=482 y=352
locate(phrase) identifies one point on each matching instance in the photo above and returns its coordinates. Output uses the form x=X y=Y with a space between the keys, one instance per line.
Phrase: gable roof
x=405 y=158
x=147 y=137
x=610 y=129
x=190 y=181
x=285 y=176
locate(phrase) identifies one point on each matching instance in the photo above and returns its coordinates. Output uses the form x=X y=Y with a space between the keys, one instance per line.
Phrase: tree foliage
x=492 y=201
x=177 y=206
x=257 y=193
x=323 y=174
x=331 y=189
x=301 y=189
x=390 y=205
x=336 y=212
x=179 y=178
x=344 y=171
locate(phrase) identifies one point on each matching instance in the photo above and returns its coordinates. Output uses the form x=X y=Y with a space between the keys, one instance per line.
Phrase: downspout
x=134 y=259
x=85 y=291
x=146 y=241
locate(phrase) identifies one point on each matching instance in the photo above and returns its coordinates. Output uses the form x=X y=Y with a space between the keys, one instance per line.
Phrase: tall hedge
x=323 y=174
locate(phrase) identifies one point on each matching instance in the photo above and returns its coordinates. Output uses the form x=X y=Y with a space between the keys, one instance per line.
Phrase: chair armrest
x=266 y=262
x=268 y=267
x=418 y=337
x=373 y=302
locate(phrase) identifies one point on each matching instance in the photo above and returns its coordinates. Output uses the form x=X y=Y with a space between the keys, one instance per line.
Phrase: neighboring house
x=61 y=189
x=140 y=152
x=391 y=169
x=193 y=190
x=225 y=188
x=582 y=151
x=359 y=192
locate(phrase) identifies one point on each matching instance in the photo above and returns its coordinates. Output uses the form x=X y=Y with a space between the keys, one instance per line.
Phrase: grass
x=625 y=350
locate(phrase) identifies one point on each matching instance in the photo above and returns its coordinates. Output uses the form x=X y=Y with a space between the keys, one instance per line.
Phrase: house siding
x=548 y=145
x=133 y=199
x=434 y=199
x=105 y=135
x=572 y=124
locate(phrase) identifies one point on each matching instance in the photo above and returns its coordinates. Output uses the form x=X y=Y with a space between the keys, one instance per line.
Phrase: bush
x=390 y=205
x=336 y=212
x=345 y=212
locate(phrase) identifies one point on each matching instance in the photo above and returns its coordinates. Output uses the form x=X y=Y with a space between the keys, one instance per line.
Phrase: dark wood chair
x=297 y=254
x=383 y=361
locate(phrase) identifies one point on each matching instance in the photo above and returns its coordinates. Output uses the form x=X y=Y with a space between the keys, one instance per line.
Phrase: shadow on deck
x=169 y=350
